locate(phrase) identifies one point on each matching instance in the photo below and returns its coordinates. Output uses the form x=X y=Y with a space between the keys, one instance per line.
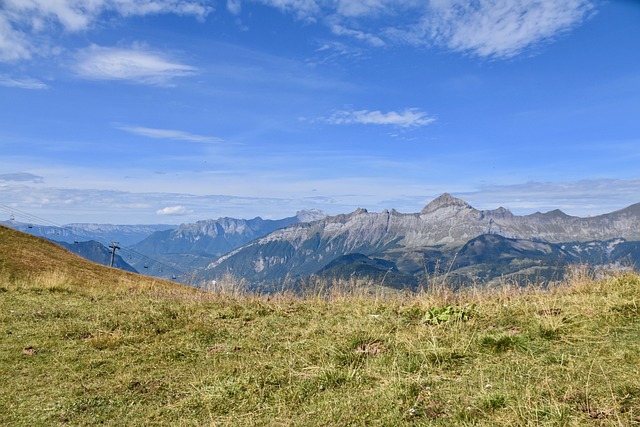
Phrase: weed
x=447 y=313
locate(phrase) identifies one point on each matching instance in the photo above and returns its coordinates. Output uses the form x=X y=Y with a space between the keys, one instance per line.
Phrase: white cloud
x=169 y=134
x=197 y=8
x=24 y=21
x=21 y=83
x=499 y=28
x=581 y=198
x=64 y=205
x=136 y=64
x=14 y=45
x=485 y=28
x=359 y=7
x=173 y=211
x=234 y=6
x=373 y=40
x=408 y=118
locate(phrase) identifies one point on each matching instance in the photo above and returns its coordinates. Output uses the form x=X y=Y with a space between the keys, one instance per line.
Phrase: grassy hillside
x=83 y=344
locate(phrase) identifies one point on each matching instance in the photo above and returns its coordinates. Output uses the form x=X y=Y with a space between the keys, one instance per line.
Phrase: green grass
x=119 y=351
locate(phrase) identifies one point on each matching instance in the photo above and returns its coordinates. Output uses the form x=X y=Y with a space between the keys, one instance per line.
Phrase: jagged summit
x=556 y=213
x=443 y=201
x=310 y=215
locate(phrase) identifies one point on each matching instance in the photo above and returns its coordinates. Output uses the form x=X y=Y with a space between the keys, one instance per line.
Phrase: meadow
x=83 y=345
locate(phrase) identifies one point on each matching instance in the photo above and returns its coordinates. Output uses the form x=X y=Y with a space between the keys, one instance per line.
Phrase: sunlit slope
x=23 y=255
x=83 y=344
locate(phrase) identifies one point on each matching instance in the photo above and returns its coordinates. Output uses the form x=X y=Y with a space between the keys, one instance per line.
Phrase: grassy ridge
x=117 y=349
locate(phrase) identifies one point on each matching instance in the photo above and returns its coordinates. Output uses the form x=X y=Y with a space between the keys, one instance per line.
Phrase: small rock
x=29 y=351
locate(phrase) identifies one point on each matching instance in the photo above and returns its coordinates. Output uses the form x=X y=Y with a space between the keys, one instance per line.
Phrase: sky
x=173 y=111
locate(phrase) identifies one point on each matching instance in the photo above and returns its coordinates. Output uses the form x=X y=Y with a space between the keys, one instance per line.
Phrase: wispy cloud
x=484 y=28
x=303 y=9
x=234 y=6
x=25 y=83
x=14 y=45
x=584 y=197
x=371 y=39
x=409 y=118
x=355 y=8
x=581 y=198
x=21 y=177
x=137 y=64
x=174 y=211
x=22 y=22
x=498 y=28
x=168 y=134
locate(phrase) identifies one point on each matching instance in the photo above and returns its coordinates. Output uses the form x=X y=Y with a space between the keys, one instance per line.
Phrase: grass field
x=85 y=345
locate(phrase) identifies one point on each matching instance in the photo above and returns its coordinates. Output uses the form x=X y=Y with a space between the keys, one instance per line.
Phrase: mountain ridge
x=194 y=245
x=445 y=224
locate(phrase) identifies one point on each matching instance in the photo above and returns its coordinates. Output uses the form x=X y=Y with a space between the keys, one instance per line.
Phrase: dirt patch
x=371 y=348
x=220 y=347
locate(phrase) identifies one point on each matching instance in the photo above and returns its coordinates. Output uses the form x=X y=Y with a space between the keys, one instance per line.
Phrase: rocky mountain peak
x=310 y=215
x=444 y=201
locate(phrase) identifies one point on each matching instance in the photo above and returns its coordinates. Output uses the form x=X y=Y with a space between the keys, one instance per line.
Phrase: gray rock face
x=193 y=246
x=447 y=223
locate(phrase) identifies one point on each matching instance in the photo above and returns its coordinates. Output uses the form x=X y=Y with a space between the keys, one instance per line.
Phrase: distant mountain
x=358 y=266
x=435 y=240
x=98 y=253
x=193 y=246
x=126 y=235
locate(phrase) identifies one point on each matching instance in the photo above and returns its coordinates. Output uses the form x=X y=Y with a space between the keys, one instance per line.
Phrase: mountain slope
x=98 y=253
x=23 y=256
x=195 y=245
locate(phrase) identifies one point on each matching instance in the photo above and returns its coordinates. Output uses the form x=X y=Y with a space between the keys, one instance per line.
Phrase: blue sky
x=171 y=111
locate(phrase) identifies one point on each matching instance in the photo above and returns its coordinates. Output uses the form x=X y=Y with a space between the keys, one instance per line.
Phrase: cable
x=36 y=221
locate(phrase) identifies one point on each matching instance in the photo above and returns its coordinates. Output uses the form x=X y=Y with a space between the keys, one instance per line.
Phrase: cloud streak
x=21 y=83
x=584 y=197
x=484 y=28
x=136 y=64
x=409 y=118
x=168 y=134
x=21 y=177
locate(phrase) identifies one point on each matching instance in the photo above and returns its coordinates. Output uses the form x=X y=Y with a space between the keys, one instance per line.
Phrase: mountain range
x=448 y=240
x=448 y=237
x=193 y=246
